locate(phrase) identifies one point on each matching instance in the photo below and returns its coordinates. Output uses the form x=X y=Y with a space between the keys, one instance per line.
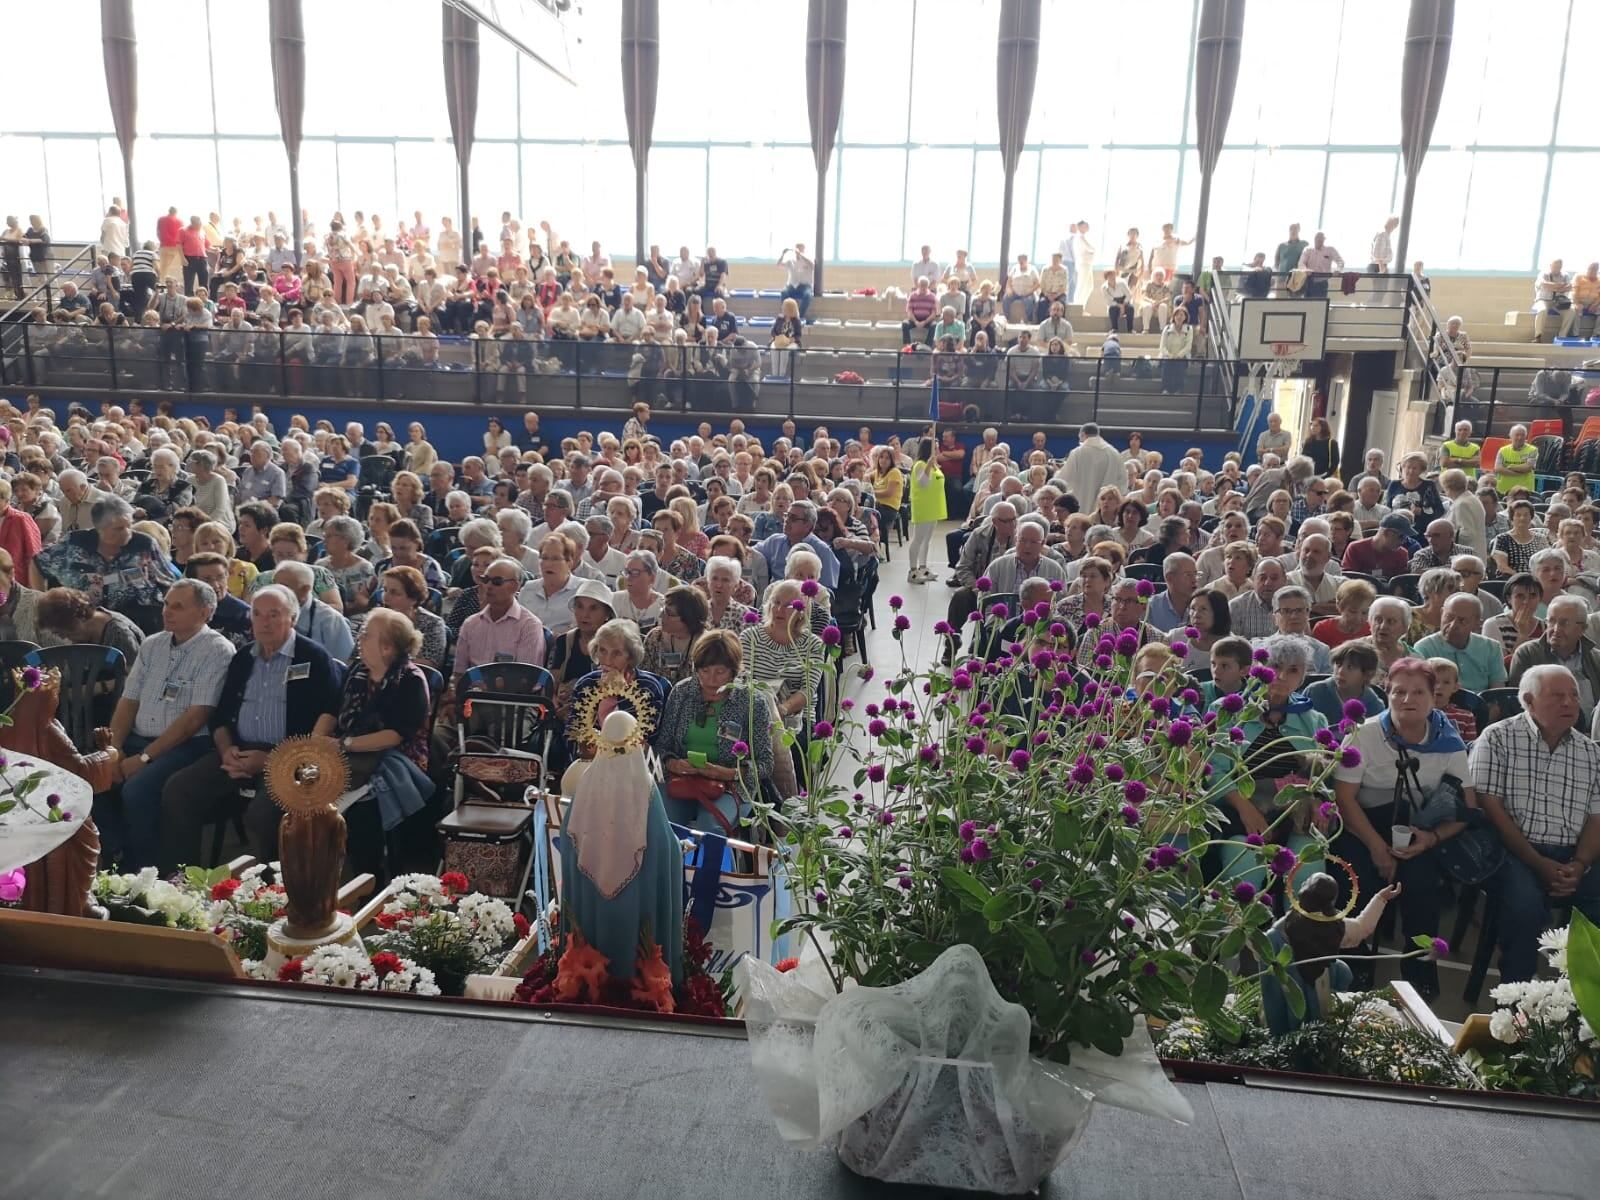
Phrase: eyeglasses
x=498 y=580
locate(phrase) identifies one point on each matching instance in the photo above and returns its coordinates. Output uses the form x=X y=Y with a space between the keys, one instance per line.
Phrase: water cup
x=1400 y=836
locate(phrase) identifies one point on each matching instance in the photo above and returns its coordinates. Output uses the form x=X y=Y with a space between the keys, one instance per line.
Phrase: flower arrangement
x=573 y=972
x=1362 y=1036
x=437 y=922
x=147 y=899
x=15 y=793
x=1545 y=1028
x=1054 y=816
x=13 y=884
x=344 y=967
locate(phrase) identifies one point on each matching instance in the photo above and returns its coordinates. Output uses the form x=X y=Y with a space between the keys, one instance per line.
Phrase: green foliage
x=1583 y=965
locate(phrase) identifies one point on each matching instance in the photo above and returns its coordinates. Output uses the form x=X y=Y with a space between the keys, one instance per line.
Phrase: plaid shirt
x=1251 y=618
x=1548 y=793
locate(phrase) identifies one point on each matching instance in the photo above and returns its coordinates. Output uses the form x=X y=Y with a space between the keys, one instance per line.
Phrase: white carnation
x=1503 y=1025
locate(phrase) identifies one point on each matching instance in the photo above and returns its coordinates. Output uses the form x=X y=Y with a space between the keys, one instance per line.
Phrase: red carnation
x=455 y=883
x=225 y=889
x=292 y=970
x=385 y=963
x=387 y=920
x=788 y=964
x=520 y=923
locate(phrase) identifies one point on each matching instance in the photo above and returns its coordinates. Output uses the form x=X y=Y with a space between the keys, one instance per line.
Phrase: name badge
x=170 y=692
x=131 y=575
x=298 y=671
x=504 y=658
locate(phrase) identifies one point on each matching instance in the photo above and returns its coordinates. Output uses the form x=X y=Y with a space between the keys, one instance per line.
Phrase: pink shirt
x=194 y=243
x=516 y=637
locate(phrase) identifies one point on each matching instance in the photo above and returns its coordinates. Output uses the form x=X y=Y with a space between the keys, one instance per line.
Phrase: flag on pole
x=933 y=399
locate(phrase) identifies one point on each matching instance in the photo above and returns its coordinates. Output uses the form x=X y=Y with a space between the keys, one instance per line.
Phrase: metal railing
x=66 y=262
x=294 y=363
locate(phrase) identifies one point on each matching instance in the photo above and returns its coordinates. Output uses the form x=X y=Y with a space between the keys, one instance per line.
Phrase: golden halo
x=616 y=687
x=1294 y=897
x=306 y=774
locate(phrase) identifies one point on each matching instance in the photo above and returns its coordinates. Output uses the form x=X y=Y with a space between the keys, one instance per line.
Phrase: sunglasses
x=499 y=580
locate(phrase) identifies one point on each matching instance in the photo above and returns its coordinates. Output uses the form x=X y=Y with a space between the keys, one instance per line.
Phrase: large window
x=1313 y=136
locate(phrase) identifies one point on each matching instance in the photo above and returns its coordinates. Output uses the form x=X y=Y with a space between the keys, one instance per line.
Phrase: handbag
x=1476 y=853
x=782 y=342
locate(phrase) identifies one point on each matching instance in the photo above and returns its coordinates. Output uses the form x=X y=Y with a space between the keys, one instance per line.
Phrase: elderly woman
x=707 y=716
x=723 y=577
x=1513 y=550
x=1414 y=495
x=676 y=559
x=1352 y=600
x=212 y=538
x=1239 y=561
x=167 y=482
x=406 y=490
x=1276 y=743
x=342 y=539
x=637 y=600
x=685 y=615
x=805 y=567
x=1389 y=617
x=618 y=655
x=330 y=503
x=1520 y=622
x=1094 y=585
x=515 y=528
x=288 y=543
x=1355 y=666
x=383 y=720
x=74 y=619
x=1576 y=547
x=31 y=499
x=1210 y=616
x=1379 y=805
x=1549 y=569
x=114 y=566
x=570 y=658
x=1436 y=585
x=783 y=656
x=405 y=592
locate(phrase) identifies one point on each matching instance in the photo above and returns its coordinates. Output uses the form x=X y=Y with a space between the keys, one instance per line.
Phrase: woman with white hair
x=806 y=567
x=723 y=575
x=167 y=482
x=1435 y=586
x=342 y=539
x=638 y=600
x=515 y=528
x=1389 y=618
x=1413 y=494
x=1277 y=742
x=617 y=650
x=782 y=656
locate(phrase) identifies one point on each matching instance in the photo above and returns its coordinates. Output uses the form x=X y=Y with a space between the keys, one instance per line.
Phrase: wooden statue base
x=281 y=947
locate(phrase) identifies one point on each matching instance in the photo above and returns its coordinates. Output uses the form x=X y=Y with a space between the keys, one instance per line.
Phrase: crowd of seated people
x=703 y=580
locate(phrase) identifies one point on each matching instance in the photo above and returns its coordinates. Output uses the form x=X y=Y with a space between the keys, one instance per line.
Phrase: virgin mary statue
x=621 y=865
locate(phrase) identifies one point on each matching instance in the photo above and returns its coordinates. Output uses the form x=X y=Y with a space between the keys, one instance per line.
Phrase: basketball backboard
x=1280 y=328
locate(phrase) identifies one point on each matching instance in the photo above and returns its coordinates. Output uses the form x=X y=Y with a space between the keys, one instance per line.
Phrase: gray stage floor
x=119 y=1089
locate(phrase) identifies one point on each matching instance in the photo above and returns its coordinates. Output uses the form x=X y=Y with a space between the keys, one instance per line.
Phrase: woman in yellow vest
x=927 y=508
x=1461 y=452
x=1513 y=466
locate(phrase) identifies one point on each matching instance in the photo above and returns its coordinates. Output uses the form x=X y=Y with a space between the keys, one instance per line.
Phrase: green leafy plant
x=1051 y=816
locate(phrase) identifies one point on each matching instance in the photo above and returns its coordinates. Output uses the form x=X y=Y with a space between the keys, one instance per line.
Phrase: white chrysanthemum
x=1553 y=942
x=422 y=885
x=1507 y=993
x=1503 y=1025
x=489 y=919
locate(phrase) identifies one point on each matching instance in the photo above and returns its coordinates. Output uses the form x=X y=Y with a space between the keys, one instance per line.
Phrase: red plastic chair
x=1540 y=428
x=1590 y=430
x=1491 y=448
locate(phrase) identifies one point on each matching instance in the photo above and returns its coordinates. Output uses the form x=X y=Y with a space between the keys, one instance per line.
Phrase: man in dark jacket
x=279 y=686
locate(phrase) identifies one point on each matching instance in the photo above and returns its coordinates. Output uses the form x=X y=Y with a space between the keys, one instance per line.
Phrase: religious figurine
x=305 y=777
x=1316 y=929
x=621 y=865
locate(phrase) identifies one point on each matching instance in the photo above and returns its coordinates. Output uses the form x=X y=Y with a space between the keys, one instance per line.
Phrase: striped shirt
x=1549 y=794
x=145 y=260
x=784 y=669
x=263 y=713
x=168 y=679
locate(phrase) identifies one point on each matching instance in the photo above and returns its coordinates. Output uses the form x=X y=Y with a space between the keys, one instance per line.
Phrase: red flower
x=292 y=970
x=385 y=963
x=455 y=883
x=387 y=920
x=788 y=964
x=696 y=950
x=225 y=889
x=520 y=923
x=703 y=997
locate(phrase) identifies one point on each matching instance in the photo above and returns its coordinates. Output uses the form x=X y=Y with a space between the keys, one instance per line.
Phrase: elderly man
x=1537 y=780
x=1383 y=555
x=1026 y=560
x=559 y=508
x=317 y=621
x=501 y=630
x=1314 y=551
x=1563 y=645
x=1127 y=611
x=231 y=617
x=1092 y=465
x=277 y=687
x=262 y=479
x=160 y=722
x=77 y=502
x=1252 y=612
x=1291 y=614
x=1479 y=660
x=798 y=527
x=1466 y=516
x=1441 y=547
x=1170 y=609
x=1471 y=569
x=600 y=554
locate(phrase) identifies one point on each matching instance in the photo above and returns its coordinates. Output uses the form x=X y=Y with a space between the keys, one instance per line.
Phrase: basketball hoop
x=1284 y=363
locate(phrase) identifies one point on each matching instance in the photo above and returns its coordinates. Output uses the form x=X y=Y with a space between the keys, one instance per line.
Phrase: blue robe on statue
x=621 y=863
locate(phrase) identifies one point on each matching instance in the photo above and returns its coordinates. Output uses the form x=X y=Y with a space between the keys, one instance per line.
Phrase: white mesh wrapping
x=930 y=1081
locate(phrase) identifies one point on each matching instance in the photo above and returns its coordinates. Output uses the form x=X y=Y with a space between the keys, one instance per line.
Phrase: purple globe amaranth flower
x=876 y=772
x=1189 y=696
x=1254 y=839
x=831 y=636
x=1091 y=620
x=1088 y=958
x=897 y=602
x=943 y=628
x=1349 y=757
x=981 y=851
x=1284 y=861
x=1150 y=968
x=1041 y=737
x=1042 y=660
x=1057 y=629
x=1128 y=922
x=905 y=883
x=1159 y=705
x=752 y=617
x=1127 y=643
x=1190 y=632
x=1145 y=589
x=1083 y=772
x=1259 y=654
x=1115 y=772
x=1020 y=759
x=961 y=681
x=1130 y=814
x=847 y=704
x=1327 y=809
x=974 y=617
x=821 y=897
x=1233 y=702
x=886 y=817
x=929 y=754
x=822 y=729
x=740 y=749
x=966 y=855
x=1062 y=678
x=798 y=605
x=1244 y=891
x=872 y=708
x=902 y=623
x=977 y=720
x=31 y=678
x=1097 y=741
x=967 y=830
x=999 y=612
x=1179 y=732
x=53 y=800
x=1036 y=884
x=1354 y=710
x=1264 y=674
x=1441 y=948
x=1135 y=792
x=1057 y=585
x=1179 y=648
x=983 y=584
x=975 y=745
x=1235 y=734
x=877 y=728
x=1325 y=738
x=1165 y=855
x=845 y=831
x=1090 y=687
x=810 y=587
x=1103 y=661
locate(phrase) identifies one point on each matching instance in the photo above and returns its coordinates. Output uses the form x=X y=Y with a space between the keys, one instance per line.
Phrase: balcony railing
x=1134 y=392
